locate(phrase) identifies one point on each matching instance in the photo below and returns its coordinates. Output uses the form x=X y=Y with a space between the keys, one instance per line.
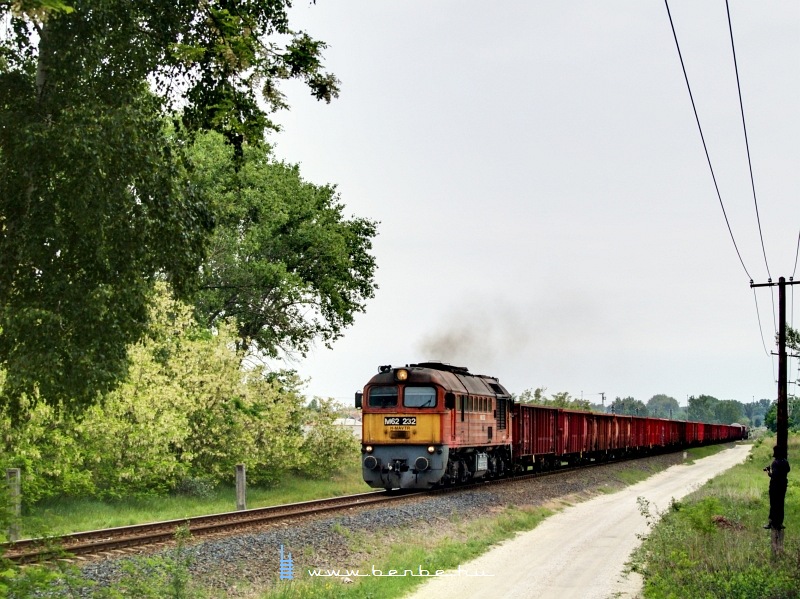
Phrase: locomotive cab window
x=383 y=397
x=419 y=397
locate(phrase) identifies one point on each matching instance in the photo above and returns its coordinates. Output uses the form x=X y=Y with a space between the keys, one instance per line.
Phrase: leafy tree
x=702 y=408
x=558 y=400
x=535 y=396
x=629 y=406
x=792 y=338
x=728 y=411
x=755 y=410
x=325 y=444
x=94 y=204
x=663 y=406
x=285 y=264
x=186 y=411
x=771 y=417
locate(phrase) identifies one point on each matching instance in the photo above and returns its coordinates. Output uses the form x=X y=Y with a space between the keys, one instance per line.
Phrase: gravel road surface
x=579 y=553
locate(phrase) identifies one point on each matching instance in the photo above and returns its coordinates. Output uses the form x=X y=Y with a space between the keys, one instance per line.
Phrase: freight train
x=431 y=424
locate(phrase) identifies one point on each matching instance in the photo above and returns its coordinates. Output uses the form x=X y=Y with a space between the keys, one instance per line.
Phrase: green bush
x=187 y=411
x=712 y=544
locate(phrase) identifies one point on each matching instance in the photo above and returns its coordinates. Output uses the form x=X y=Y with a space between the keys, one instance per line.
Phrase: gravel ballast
x=242 y=564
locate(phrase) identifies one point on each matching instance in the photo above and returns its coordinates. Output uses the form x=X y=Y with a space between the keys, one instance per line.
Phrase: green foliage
x=705 y=408
x=700 y=514
x=559 y=400
x=166 y=575
x=702 y=408
x=65 y=515
x=324 y=444
x=186 y=411
x=728 y=411
x=285 y=265
x=664 y=406
x=711 y=544
x=45 y=447
x=755 y=411
x=95 y=200
x=771 y=417
x=194 y=486
x=55 y=579
x=629 y=406
x=792 y=338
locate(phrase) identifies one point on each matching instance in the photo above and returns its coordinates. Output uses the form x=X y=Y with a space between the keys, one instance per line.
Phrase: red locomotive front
x=431 y=423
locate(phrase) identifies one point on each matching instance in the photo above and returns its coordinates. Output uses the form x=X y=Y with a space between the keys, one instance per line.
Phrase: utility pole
x=777 y=494
x=783 y=412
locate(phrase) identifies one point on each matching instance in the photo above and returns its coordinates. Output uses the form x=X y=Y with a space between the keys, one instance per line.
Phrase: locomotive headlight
x=401 y=374
x=368 y=448
x=431 y=449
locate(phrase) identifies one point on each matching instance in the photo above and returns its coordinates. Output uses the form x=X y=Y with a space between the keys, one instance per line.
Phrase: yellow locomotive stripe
x=427 y=429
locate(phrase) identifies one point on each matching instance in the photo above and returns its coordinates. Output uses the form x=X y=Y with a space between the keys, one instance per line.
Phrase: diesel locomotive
x=431 y=424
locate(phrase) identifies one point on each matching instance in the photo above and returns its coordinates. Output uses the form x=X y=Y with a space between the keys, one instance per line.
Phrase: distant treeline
x=701 y=408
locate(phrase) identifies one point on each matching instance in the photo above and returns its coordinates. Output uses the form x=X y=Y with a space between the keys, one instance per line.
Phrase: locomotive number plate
x=399 y=421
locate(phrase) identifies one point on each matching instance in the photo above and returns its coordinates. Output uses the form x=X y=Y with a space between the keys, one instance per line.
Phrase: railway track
x=109 y=539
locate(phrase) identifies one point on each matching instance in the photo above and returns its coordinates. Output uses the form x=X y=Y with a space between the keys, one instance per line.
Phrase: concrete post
x=241 y=487
x=13 y=478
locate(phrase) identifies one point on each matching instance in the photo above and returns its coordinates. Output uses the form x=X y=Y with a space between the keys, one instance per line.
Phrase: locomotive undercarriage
x=466 y=464
x=404 y=466
x=414 y=467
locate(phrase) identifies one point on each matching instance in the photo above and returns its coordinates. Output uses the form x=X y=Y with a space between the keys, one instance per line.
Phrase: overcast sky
x=547 y=213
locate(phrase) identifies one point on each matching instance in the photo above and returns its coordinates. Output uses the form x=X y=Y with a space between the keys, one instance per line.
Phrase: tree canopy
x=705 y=408
x=95 y=200
x=663 y=406
x=185 y=412
x=628 y=406
x=701 y=408
x=771 y=416
x=284 y=264
x=559 y=400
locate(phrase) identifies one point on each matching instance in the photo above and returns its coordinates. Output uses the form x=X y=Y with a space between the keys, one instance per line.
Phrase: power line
x=796 y=252
x=746 y=142
x=702 y=137
x=761 y=330
x=750 y=167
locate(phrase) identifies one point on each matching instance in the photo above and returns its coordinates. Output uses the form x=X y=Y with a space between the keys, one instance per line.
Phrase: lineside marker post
x=241 y=487
x=13 y=478
x=777 y=499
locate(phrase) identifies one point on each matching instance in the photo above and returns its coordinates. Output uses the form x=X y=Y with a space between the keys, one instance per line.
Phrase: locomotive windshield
x=383 y=397
x=419 y=397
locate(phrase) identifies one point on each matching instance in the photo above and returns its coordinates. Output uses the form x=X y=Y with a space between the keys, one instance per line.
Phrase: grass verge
x=712 y=544
x=411 y=557
x=72 y=515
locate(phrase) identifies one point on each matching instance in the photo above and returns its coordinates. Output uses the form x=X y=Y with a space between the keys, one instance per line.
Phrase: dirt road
x=580 y=552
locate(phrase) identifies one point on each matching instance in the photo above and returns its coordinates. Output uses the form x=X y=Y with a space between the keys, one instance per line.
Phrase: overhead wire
x=746 y=142
x=713 y=176
x=758 y=314
x=749 y=160
x=703 y=139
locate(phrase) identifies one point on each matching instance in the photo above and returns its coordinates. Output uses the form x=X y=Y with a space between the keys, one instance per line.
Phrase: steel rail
x=98 y=541
x=108 y=539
